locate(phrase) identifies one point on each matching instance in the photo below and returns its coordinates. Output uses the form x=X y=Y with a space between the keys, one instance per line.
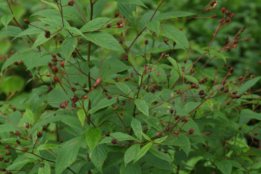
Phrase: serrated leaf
x=6 y=19
x=103 y=104
x=248 y=85
x=137 y=128
x=131 y=153
x=124 y=88
x=92 y=137
x=41 y=39
x=20 y=164
x=174 y=14
x=104 y=40
x=68 y=154
x=224 y=166
x=146 y=136
x=159 y=154
x=175 y=35
x=81 y=115
x=136 y=2
x=30 y=116
x=119 y=136
x=95 y=24
x=130 y=169
x=51 y=4
x=45 y=168
x=98 y=156
x=56 y=97
x=142 y=106
x=180 y=140
x=68 y=46
x=142 y=151
x=159 y=140
x=153 y=26
x=47 y=146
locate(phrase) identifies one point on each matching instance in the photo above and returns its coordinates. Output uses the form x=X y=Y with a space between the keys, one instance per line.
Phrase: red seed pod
x=208 y=133
x=192 y=70
x=47 y=33
x=227 y=20
x=114 y=141
x=8 y=153
x=223 y=9
x=176 y=132
x=185 y=60
x=108 y=97
x=180 y=29
x=108 y=26
x=126 y=57
x=62 y=64
x=177 y=117
x=27 y=125
x=26 y=21
x=191 y=131
x=202 y=92
x=6 y=161
x=232 y=15
x=74 y=54
x=246 y=39
x=146 y=42
x=116 y=14
x=166 y=41
x=18 y=142
x=39 y=134
x=153 y=90
x=234 y=46
x=58 y=54
x=98 y=81
x=214 y=16
x=71 y=3
x=1 y=159
x=120 y=42
x=256 y=133
x=56 y=79
x=159 y=135
x=86 y=96
x=227 y=12
x=120 y=25
x=107 y=134
x=212 y=3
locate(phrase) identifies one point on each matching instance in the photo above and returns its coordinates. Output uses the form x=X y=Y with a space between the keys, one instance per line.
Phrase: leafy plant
x=110 y=96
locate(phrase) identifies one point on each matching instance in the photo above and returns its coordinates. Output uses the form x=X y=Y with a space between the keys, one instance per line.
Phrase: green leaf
x=174 y=14
x=137 y=128
x=219 y=55
x=142 y=106
x=146 y=136
x=68 y=154
x=142 y=151
x=96 y=24
x=7 y=128
x=224 y=166
x=51 y=4
x=17 y=165
x=157 y=162
x=45 y=168
x=14 y=58
x=6 y=19
x=56 y=97
x=248 y=85
x=30 y=116
x=159 y=154
x=47 y=146
x=104 y=40
x=247 y=113
x=41 y=39
x=153 y=26
x=13 y=140
x=119 y=136
x=176 y=35
x=160 y=140
x=130 y=169
x=136 y=2
x=92 y=137
x=68 y=47
x=103 y=104
x=131 y=153
x=124 y=88
x=180 y=140
x=98 y=156
x=81 y=115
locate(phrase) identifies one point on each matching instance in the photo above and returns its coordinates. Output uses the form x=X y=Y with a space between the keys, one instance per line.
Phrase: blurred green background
x=199 y=33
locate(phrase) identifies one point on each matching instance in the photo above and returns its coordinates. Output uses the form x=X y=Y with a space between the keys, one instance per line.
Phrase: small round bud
x=232 y=15
x=114 y=141
x=108 y=25
x=146 y=42
x=107 y=134
x=256 y=133
x=116 y=14
x=71 y=3
x=214 y=16
x=191 y=131
x=39 y=134
x=18 y=142
x=223 y=9
x=26 y=21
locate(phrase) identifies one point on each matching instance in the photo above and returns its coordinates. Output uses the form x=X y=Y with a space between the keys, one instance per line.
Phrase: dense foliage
x=116 y=86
